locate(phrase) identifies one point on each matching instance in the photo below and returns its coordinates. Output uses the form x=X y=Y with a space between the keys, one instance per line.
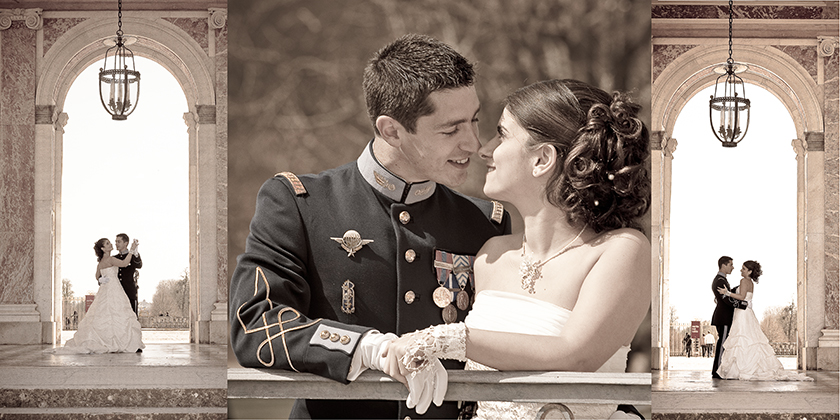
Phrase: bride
x=570 y=292
x=747 y=354
x=110 y=325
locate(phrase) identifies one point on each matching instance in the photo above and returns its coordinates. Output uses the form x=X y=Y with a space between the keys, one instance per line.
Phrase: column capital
x=206 y=114
x=30 y=17
x=191 y=120
x=799 y=147
x=218 y=17
x=815 y=141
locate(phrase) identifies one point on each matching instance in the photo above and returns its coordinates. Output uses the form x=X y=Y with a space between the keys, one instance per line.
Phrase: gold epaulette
x=498 y=212
x=293 y=179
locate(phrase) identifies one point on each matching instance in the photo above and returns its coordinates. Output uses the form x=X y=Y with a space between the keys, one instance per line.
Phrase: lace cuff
x=446 y=341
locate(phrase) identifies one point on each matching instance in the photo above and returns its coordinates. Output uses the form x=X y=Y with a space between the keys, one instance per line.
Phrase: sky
x=739 y=202
x=128 y=177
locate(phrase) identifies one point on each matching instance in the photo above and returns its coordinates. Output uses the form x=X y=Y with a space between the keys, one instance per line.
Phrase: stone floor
x=683 y=393
x=170 y=378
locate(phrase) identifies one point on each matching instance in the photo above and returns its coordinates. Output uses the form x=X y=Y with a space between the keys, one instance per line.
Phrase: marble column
x=813 y=299
x=217 y=26
x=23 y=307
x=662 y=149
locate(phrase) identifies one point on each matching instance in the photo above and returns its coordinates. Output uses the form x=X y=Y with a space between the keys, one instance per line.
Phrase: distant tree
x=788 y=321
x=172 y=297
x=674 y=316
x=66 y=289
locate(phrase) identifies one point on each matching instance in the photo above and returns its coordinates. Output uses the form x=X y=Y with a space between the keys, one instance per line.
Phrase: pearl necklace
x=532 y=271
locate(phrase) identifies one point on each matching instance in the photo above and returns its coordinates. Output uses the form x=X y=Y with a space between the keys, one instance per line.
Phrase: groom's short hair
x=123 y=236
x=721 y=261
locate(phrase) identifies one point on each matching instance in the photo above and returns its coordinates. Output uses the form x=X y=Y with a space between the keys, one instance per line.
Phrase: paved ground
x=705 y=363
x=149 y=336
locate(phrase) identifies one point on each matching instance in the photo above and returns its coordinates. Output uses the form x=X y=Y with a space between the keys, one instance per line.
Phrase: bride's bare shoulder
x=621 y=238
x=498 y=245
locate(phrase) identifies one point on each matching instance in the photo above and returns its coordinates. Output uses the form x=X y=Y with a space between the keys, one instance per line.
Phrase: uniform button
x=344 y=339
x=405 y=217
x=409 y=297
x=325 y=334
x=407 y=418
x=334 y=337
x=410 y=255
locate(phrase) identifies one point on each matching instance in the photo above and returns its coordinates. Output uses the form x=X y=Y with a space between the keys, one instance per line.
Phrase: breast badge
x=454 y=275
x=352 y=242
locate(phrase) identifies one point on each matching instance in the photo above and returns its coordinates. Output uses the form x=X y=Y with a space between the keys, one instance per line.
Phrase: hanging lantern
x=729 y=108
x=119 y=85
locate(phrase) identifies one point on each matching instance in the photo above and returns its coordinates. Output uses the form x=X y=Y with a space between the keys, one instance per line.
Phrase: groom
x=126 y=274
x=724 y=309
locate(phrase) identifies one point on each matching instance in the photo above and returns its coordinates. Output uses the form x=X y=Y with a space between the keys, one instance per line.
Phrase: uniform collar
x=390 y=185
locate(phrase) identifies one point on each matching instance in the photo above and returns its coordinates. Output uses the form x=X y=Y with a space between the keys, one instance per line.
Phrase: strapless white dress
x=513 y=313
x=110 y=325
x=747 y=354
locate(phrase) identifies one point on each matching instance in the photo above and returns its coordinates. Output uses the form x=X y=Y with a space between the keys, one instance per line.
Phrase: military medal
x=462 y=300
x=352 y=242
x=532 y=271
x=442 y=297
x=449 y=314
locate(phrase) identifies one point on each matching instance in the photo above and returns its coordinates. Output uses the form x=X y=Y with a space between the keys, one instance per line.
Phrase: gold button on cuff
x=334 y=337
x=410 y=255
x=325 y=334
x=344 y=339
x=409 y=297
x=405 y=217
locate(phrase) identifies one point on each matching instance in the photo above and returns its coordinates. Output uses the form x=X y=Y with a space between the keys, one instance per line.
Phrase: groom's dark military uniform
x=334 y=255
x=126 y=275
x=722 y=317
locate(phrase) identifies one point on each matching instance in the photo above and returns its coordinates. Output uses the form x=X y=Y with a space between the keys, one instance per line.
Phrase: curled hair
x=97 y=248
x=400 y=77
x=755 y=269
x=602 y=145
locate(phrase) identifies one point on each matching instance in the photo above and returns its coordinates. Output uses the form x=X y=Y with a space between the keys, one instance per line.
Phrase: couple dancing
x=110 y=324
x=743 y=351
x=337 y=264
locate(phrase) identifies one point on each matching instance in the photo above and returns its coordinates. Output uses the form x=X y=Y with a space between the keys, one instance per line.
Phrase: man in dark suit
x=127 y=273
x=336 y=262
x=724 y=309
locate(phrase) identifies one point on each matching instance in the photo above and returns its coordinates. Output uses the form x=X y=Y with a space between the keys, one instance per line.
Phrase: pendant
x=449 y=314
x=442 y=297
x=462 y=300
x=530 y=272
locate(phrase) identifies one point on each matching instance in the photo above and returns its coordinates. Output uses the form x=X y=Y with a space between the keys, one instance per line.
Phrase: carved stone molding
x=30 y=17
x=656 y=140
x=206 y=114
x=815 y=141
x=826 y=46
x=61 y=121
x=218 y=18
x=44 y=114
x=191 y=120
x=798 y=148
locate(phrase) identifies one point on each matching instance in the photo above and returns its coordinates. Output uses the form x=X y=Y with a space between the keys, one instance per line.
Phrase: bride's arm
x=743 y=286
x=613 y=301
x=118 y=262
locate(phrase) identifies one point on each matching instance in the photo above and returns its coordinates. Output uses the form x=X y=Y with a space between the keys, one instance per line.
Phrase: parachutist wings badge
x=352 y=242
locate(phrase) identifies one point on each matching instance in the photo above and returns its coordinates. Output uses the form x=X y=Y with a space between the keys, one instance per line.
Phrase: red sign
x=88 y=301
x=695 y=329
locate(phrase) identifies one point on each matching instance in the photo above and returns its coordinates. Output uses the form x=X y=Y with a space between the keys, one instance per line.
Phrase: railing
x=539 y=387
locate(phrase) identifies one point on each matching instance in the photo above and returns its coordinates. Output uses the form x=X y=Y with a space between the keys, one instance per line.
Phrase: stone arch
x=769 y=68
x=778 y=73
x=195 y=71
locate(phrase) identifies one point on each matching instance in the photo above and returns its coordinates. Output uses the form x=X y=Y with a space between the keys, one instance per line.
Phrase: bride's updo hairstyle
x=97 y=248
x=601 y=145
x=755 y=269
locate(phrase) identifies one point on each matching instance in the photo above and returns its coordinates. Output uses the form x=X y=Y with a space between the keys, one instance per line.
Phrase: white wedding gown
x=747 y=354
x=514 y=313
x=109 y=326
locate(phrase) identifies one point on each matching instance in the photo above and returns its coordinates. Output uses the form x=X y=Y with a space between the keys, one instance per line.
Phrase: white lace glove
x=427 y=386
x=445 y=341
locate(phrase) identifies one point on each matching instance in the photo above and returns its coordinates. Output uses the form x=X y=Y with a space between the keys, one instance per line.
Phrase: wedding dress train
x=514 y=313
x=109 y=326
x=747 y=354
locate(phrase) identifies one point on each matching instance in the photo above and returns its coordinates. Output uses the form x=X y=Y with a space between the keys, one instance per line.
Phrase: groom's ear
x=545 y=160
x=389 y=130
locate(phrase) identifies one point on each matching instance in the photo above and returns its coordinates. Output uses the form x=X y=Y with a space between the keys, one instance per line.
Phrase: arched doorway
x=202 y=77
x=686 y=67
